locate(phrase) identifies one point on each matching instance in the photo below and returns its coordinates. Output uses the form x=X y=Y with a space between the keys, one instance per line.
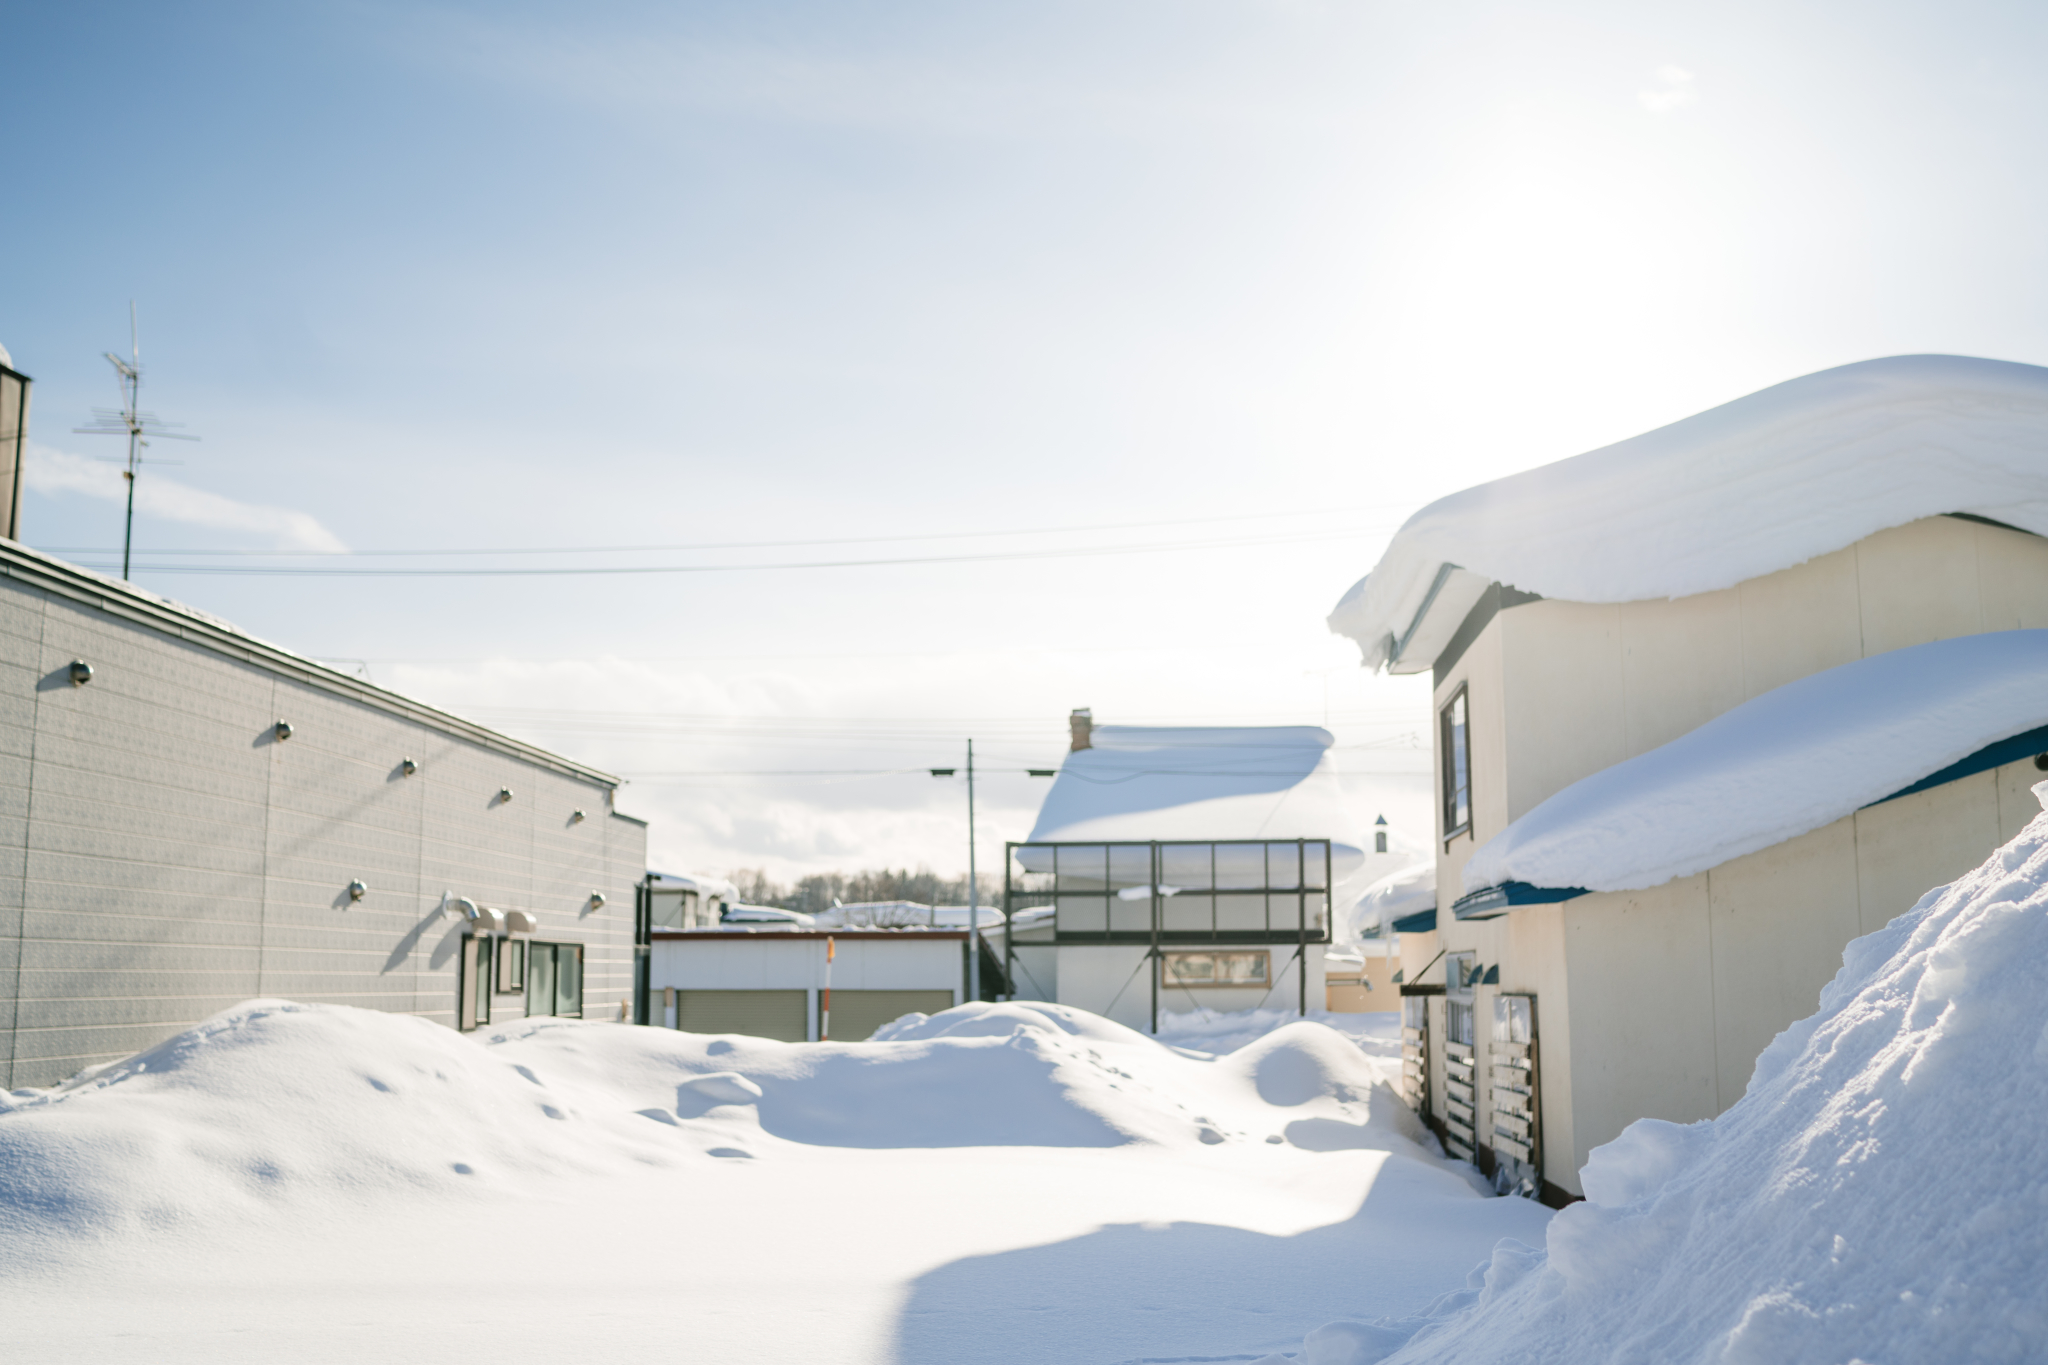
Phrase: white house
x=1184 y=868
x=1710 y=703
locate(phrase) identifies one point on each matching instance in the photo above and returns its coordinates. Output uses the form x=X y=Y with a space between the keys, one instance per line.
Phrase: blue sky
x=432 y=278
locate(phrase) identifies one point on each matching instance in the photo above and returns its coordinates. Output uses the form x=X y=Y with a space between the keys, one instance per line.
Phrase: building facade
x=1540 y=1020
x=193 y=818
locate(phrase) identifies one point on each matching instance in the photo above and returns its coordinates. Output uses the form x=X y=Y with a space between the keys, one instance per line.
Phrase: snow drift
x=280 y=1106
x=1875 y=1195
x=1741 y=490
x=1797 y=758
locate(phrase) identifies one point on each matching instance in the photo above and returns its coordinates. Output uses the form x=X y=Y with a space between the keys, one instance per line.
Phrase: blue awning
x=1421 y=922
x=1491 y=902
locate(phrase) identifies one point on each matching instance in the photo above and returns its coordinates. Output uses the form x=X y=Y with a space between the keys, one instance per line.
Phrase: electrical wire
x=618 y=570
x=740 y=544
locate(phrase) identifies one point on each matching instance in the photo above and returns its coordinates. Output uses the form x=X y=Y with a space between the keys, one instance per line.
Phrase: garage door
x=758 y=1014
x=856 y=1014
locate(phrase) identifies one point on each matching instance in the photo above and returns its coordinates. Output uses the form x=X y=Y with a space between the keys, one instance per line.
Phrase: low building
x=1183 y=868
x=198 y=817
x=688 y=902
x=1710 y=703
x=771 y=980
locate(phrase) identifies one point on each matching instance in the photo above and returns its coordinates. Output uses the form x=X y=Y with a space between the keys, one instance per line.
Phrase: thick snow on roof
x=1738 y=491
x=1144 y=782
x=1794 y=759
x=1875 y=1195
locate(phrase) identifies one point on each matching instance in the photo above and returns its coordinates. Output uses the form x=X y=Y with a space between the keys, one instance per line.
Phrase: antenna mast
x=129 y=420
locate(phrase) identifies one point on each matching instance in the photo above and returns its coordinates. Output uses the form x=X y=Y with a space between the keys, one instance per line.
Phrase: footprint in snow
x=729 y=1151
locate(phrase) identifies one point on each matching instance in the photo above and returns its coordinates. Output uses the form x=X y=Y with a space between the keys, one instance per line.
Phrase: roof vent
x=1082 y=723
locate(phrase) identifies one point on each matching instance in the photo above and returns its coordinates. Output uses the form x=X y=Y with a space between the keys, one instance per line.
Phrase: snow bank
x=1875 y=1196
x=1738 y=491
x=280 y=1106
x=1219 y=1033
x=1792 y=760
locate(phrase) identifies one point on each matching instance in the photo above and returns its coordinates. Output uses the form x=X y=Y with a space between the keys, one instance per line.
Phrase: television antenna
x=131 y=421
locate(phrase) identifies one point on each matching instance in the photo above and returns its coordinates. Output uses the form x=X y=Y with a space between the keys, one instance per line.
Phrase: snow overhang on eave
x=1452 y=594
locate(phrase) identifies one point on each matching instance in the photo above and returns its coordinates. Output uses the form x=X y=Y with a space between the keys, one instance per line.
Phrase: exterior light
x=504 y=793
x=597 y=900
x=81 y=672
x=577 y=817
x=1041 y=772
x=356 y=890
x=944 y=772
x=283 y=730
x=407 y=766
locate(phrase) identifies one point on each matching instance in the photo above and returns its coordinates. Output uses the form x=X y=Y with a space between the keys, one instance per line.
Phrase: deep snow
x=1797 y=758
x=1143 y=782
x=1875 y=1196
x=1745 y=489
x=996 y=1183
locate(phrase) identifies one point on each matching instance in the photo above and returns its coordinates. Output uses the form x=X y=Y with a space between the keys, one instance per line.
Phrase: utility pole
x=973 y=891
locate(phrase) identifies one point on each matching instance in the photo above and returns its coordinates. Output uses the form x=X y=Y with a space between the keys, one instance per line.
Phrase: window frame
x=542 y=1003
x=1447 y=789
x=1169 y=981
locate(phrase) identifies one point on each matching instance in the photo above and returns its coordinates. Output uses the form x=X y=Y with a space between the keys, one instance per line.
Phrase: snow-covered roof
x=716 y=887
x=1395 y=896
x=1745 y=489
x=1142 y=782
x=1792 y=760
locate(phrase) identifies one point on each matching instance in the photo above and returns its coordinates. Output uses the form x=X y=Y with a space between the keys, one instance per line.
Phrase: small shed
x=771 y=980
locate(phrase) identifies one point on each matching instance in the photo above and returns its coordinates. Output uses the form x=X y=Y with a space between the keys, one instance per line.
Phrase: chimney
x=1082 y=723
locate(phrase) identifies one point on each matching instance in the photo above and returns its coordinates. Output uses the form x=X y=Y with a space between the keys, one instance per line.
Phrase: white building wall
x=171 y=858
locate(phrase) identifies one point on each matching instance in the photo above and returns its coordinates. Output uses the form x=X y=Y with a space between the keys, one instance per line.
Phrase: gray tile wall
x=163 y=856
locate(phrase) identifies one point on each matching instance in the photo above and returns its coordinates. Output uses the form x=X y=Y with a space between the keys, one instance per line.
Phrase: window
x=511 y=966
x=554 y=979
x=1217 y=969
x=1455 y=745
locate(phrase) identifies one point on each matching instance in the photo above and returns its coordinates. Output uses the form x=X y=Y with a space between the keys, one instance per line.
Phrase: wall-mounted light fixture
x=504 y=793
x=81 y=672
x=597 y=900
x=577 y=817
x=283 y=730
x=356 y=890
x=407 y=766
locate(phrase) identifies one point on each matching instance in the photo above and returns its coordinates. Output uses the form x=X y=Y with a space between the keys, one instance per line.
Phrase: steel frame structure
x=1120 y=876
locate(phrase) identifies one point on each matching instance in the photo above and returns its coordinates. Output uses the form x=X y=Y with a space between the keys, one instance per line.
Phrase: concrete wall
x=167 y=857
x=1112 y=980
x=1656 y=1003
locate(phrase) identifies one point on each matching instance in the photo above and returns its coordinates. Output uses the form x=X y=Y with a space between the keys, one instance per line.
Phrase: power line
x=615 y=570
x=738 y=544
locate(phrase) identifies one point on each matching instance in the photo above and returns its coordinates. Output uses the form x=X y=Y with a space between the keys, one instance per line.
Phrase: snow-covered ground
x=997 y=1183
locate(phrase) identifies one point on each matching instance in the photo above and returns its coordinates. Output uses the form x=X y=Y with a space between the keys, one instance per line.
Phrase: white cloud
x=1674 y=87
x=56 y=472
